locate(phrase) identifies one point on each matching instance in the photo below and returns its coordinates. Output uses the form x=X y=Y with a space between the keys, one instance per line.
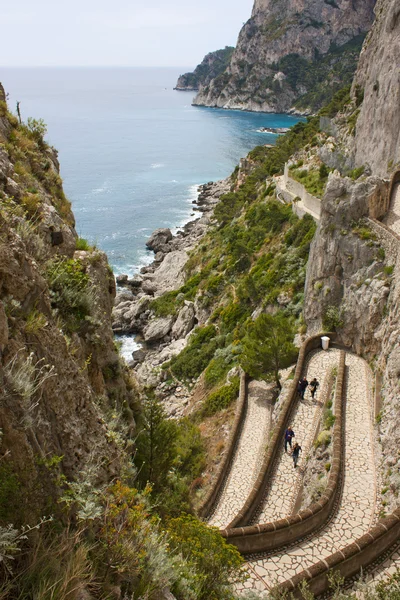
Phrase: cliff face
x=280 y=53
x=212 y=65
x=60 y=374
x=377 y=138
x=346 y=272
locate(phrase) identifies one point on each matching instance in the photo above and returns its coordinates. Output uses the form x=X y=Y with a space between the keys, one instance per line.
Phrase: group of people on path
x=303 y=385
x=289 y=433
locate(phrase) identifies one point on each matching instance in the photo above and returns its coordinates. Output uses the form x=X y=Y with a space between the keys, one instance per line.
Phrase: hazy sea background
x=132 y=150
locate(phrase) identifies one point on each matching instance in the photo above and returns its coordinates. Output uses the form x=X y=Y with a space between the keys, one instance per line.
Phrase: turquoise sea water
x=132 y=150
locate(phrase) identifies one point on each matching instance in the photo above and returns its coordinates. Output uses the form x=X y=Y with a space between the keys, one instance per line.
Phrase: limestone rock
x=158 y=239
x=157 y=329
x=185 y=321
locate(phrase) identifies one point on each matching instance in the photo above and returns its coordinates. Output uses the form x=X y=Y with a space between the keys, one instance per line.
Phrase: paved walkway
x=392 y=218
x=285 y=486
x=357 y=508
x=248 y=457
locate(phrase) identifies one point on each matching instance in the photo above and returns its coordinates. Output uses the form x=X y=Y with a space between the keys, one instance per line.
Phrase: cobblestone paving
x=248 y=457
x=285 y=486
x=356 y=512
x=392 y=219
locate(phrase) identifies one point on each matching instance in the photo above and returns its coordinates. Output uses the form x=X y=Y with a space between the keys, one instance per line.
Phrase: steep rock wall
x=60 y=374
x=377 y=137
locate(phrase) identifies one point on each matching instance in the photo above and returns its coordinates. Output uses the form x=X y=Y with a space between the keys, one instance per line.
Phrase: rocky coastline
x=165 y=336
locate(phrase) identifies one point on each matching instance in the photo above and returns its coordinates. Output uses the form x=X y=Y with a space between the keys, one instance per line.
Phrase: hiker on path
x=314 y=383
x=303 y=384
x=295 y=454
x=289 y=435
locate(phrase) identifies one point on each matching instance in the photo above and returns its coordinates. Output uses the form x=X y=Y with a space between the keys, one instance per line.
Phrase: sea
x=132 y=150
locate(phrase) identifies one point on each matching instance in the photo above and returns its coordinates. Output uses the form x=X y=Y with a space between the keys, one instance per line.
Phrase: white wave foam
x=157 y=165
x=128 y=345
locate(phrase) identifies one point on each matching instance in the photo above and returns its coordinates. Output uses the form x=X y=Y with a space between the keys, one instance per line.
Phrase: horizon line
x=96 y=67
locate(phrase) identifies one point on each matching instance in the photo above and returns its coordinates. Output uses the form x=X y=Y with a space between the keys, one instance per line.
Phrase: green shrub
x=221 y=398
x=195 y=357
x=216 y=370
x=323 y=440
x=82 y=244
x=217 y=565
x=71 y=296
x=166 y=304
x=332 y=318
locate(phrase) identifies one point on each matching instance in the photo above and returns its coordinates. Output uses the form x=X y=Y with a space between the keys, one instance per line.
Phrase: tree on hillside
x=155 y=443
x=268 y=347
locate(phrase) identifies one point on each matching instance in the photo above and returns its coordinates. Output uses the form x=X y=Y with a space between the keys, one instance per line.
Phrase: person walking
x=289 y=435
x=295 y=454
x=314 y=383
x=303 y=386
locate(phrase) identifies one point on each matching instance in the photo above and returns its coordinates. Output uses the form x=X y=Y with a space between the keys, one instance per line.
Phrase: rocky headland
x=291 y=56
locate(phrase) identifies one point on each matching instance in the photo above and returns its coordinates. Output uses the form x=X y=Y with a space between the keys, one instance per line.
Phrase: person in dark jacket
x=314 y=383
x=295 y=454
x=303 y=384
x=289 y=435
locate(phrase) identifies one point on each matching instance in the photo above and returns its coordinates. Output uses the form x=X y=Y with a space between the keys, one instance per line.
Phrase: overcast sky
x=117 y=32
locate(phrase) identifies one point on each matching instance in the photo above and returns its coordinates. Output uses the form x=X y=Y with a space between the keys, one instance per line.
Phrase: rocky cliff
x=353 y=273
x=291 y=54
x=377 y=136
x=212 y=65
x=63 y=387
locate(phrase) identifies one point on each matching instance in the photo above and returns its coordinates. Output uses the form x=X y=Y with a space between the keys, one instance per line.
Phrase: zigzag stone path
x=285 y=485
x=356 y=512
x=248 y=456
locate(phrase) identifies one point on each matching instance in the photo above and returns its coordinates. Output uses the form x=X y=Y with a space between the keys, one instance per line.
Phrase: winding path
x=285 y=485
x=248 y=456
x=356 y=512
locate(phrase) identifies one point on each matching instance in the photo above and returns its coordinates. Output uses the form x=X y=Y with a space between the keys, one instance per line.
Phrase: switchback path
x=356 y=512
x=286 y=481
x=248 y=456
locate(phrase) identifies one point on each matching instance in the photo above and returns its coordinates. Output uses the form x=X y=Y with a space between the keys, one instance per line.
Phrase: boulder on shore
x=158 y=240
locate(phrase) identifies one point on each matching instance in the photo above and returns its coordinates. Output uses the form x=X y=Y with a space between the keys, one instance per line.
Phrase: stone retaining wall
x=351 y=559
x=266 y=537
x=208 y=503
x=389 y=240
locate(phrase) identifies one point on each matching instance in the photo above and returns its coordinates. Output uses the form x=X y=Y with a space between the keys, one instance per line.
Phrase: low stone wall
x=388 y=238
x=310 y=203
x=266 y=537
x=351 y=559
x=208 y=503
x=275 y=444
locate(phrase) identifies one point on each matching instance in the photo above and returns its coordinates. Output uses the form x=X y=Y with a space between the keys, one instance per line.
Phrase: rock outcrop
x=212 y=65
x=377 y=133
x=288 y=50
x=59 y=370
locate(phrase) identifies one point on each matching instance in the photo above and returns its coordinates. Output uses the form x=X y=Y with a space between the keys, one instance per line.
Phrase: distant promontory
x=212 y=65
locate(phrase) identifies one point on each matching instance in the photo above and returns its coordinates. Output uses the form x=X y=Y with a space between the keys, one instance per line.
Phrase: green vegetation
x=71 y=296
x=169 y=456
x=325 y=75
x=332 y=318
x=268 y=346
x=217 y=565
x=82 y=244
x=221 y=398
x=314 y=180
